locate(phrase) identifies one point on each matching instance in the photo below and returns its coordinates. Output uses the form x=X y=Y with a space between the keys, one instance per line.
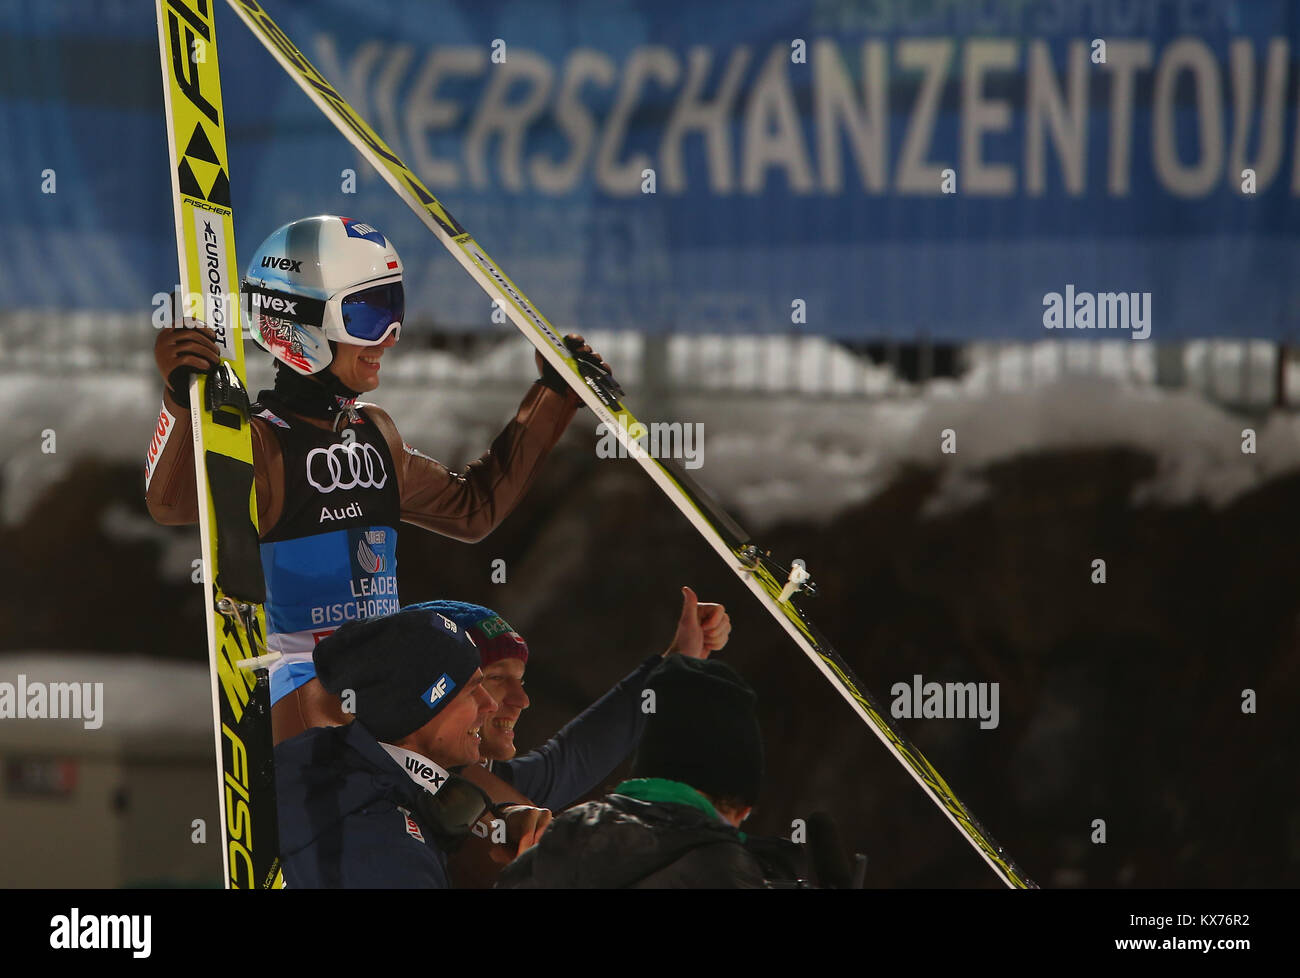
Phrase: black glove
x=584 y=354
x=183 y=350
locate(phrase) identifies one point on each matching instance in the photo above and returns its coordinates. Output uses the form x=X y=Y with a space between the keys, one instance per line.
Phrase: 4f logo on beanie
x=435 y=693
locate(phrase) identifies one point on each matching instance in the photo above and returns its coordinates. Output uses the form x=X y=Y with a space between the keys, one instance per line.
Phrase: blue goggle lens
x=368 y=314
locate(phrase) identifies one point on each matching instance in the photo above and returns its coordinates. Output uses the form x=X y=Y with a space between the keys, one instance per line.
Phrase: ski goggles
x=369 y=315
x=453 y=809
x=365 y=317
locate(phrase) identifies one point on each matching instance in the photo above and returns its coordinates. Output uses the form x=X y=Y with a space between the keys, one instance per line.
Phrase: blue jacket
x=586 y=750
x=349 y=815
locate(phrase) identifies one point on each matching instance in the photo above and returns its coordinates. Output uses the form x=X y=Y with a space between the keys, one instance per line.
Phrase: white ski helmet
x=320 y=279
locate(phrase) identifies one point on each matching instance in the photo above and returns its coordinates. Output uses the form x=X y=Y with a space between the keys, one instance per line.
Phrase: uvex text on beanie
x=704 y=730
x=488 y=630
x=403 y=668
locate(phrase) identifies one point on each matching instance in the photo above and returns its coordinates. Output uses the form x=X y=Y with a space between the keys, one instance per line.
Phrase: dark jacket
x=624 y=843
x=349 y=816
x=586 y=750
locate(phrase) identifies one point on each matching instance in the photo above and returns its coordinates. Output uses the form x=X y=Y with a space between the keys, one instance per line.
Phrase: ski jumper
x=329 y=504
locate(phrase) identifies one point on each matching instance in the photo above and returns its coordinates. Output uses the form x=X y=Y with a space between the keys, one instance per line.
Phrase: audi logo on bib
x=351 y=465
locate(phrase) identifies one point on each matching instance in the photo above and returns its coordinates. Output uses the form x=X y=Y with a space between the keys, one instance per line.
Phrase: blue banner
x=878 y=168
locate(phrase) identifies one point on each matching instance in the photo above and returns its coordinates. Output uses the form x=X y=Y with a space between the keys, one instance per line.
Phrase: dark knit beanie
x=704 y=730
x=490 y=632
x=403 y=668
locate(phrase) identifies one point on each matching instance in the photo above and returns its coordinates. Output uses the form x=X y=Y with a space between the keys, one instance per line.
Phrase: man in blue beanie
x=374 y=803
x=596 y=741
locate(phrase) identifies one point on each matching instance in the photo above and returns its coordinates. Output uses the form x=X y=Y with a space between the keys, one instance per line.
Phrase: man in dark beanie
x=675 y=824
x=373 y=803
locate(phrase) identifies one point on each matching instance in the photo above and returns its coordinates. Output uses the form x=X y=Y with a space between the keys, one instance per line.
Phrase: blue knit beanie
x=494 y=636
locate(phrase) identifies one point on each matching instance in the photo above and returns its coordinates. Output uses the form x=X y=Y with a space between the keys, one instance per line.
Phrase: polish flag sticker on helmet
x=356 y=229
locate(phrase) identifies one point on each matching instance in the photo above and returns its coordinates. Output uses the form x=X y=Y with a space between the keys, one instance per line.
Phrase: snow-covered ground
x=803 y=459
x=771 y=457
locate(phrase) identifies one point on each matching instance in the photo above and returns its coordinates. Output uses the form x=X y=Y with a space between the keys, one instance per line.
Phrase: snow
x=769 y=457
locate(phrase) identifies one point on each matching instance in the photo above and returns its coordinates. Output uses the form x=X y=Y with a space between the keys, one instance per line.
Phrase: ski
x=233 y=586
x=751 y=564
